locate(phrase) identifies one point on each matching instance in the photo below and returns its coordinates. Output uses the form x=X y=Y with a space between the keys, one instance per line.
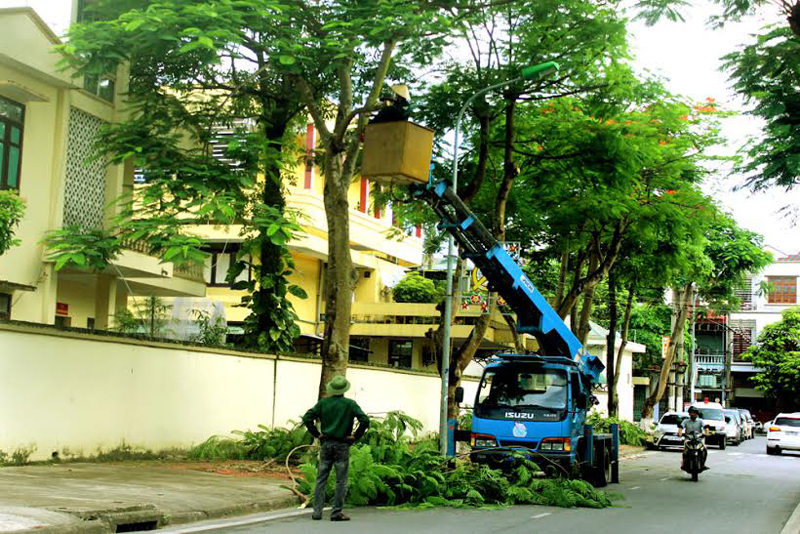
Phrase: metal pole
x=694 y=351
x=444 y=430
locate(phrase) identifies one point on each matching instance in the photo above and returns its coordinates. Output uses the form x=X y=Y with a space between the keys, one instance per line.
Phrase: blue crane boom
x=535 y=316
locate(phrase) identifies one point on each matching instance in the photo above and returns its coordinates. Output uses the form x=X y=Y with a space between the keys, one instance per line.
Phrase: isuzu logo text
x=521 y=415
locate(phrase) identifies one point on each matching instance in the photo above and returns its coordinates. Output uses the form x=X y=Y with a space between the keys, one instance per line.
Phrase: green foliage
x=150 y=316
x=77 y=247
x=210 y=333
x=416 y=288
x=392 y=467
x=12 y=209
x=629 y=433
x=262 y=444
x=649 y=324
x=767 y=75
x=19 y=456
x=272 y=323
x=777 y=354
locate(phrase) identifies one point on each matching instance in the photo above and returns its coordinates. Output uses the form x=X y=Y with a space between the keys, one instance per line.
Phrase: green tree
x=777 y=355
x=767 y=74
x=12 y=209
x=209 y=124
x=416 y=288
x=728 y=255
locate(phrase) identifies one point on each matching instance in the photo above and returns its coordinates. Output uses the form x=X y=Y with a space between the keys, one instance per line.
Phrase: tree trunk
x=611 y=339
x=584 y=327
x=462 y=357
x=683 y=297
x=519 y=346
x=340 y=276
x=626 y=323
x=563 y=269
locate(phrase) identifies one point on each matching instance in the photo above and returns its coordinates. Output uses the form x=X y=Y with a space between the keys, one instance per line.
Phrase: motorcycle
x=693 y=453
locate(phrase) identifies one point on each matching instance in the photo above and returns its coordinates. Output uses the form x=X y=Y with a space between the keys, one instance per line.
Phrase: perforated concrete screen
x=84 y=194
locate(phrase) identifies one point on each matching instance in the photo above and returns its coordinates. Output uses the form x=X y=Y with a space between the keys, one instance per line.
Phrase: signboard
x=62 y=308
x=664 y=346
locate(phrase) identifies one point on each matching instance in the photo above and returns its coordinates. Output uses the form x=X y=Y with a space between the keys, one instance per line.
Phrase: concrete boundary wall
x=83 y=392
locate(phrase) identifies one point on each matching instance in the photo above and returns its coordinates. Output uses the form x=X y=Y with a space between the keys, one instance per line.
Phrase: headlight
x=722 y=427
x=555 y=444
x=483 y=440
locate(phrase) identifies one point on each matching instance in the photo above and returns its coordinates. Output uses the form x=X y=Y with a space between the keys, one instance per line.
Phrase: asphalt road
x=745 y=491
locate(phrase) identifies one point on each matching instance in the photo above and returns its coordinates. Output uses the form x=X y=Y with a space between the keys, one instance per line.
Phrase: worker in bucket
x=395 y=108
x=336 y=415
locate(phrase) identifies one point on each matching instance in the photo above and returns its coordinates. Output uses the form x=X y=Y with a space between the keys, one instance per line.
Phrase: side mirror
x=727 y=419
x=581 y=401
x=459 y=395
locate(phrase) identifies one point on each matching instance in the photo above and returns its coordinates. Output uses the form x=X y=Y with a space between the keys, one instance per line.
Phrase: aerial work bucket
x=397 y=152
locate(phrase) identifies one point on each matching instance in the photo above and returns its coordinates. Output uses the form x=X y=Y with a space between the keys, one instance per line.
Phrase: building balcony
x=392 y=319
x=711 y=362
x=367 y=234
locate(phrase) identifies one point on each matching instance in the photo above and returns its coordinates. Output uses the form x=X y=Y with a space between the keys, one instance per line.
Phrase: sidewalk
x=89 y=497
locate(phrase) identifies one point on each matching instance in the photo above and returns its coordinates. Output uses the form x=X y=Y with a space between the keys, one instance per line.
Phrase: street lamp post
x=528 y=73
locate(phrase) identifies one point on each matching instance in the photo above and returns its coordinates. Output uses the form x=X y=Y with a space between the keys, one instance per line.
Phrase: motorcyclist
x=694 y=426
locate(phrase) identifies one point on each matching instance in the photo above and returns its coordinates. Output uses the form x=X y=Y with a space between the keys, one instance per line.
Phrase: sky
x=687 y=55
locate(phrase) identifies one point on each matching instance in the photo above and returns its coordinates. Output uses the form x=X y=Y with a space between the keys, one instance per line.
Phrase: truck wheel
x=722 y=444
x=602 y=471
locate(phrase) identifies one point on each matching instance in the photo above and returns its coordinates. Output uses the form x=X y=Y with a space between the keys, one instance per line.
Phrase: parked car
x=784 y=433
x=711 y=413
x=760 y=428
x=666 y=431
x=750 y=427
x=734 y=430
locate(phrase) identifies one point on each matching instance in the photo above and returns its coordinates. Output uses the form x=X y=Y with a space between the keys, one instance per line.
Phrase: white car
x=711 y=414
x=784 y=433
x=734 y=427
x=666 y=432
x=750 y=426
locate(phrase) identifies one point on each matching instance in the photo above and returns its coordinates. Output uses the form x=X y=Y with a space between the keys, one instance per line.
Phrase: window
x=782 y=289
x=12 y=119
x=744 y=292
x=359 y=349
x=400 y=353
x=219 y=261
x=5 y=306
x=103 y=87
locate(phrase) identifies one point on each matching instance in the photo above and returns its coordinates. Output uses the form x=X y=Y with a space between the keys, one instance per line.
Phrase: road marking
x=663 y=479
x=735 y=453
x=635 y=487
x=541 y=515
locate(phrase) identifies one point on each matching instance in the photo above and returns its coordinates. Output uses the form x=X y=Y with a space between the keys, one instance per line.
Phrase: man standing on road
x=336 y=415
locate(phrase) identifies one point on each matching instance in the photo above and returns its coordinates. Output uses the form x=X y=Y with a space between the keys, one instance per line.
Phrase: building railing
x=190 y=271
x=710 y=359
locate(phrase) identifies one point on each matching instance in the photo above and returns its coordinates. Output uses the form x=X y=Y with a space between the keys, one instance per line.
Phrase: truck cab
x=535 y=404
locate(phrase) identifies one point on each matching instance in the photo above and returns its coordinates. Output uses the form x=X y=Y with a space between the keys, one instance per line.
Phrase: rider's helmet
x=692 y=409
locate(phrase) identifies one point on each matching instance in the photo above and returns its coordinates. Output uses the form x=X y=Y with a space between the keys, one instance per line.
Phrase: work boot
x=340 y=517
x=316 y=517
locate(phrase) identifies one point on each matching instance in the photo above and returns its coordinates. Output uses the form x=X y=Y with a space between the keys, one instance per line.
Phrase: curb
x=106 y=522
x=194 y=516
x=792 y=526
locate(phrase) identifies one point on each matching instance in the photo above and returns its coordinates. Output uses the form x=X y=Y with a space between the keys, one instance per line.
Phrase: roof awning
x=5 y=285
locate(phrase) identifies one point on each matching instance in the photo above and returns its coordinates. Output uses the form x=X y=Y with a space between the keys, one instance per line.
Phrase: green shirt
x=336 y=416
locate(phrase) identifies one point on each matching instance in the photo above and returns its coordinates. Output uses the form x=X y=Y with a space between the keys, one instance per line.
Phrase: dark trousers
x=331 y=455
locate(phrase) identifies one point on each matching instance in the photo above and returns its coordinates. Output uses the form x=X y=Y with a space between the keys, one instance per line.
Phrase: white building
x=764 y=296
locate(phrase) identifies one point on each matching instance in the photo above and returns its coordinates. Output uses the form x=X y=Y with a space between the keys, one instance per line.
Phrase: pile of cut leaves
x=391 y=466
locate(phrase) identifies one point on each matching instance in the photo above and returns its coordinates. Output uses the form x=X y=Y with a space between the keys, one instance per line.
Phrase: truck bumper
x=504 y=459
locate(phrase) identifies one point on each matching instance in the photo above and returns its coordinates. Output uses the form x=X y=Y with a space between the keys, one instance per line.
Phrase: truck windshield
x=523 y=388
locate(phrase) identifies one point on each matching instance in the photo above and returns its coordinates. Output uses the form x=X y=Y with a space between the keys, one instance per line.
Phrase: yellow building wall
x=81 y=300
x=306 y=275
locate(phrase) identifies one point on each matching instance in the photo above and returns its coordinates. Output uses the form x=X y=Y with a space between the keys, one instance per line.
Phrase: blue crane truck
x=532 y=404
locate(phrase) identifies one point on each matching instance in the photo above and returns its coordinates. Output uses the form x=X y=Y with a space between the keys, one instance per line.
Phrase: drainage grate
x=137 y=527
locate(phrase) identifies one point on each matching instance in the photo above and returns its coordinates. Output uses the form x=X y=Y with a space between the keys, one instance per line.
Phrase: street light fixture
x=528 y=73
